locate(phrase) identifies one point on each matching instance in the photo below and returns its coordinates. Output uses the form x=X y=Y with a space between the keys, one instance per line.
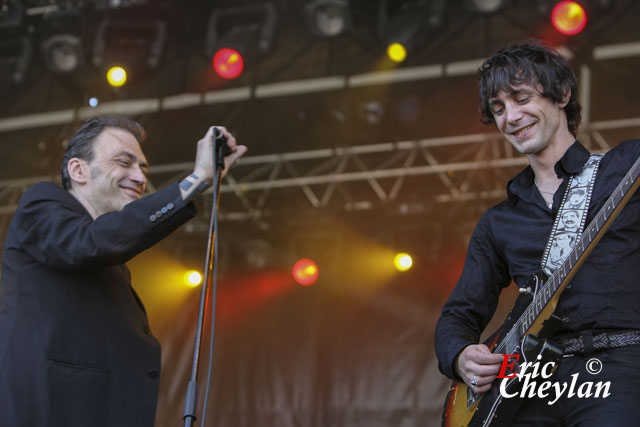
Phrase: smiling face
x=570 y=219
x=528 y=120
x=116 y=174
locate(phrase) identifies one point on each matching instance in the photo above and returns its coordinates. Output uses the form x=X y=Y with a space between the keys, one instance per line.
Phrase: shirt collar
x=571 y=162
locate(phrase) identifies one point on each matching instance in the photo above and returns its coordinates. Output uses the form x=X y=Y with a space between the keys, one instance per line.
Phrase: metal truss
x=455 y=169
x=451 y=169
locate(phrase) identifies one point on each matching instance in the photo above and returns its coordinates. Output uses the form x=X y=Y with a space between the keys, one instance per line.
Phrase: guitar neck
x=561 y=277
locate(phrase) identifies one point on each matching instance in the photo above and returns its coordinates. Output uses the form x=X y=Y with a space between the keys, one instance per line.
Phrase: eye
x=124 y=162
x=523 y=100
x=497 y=111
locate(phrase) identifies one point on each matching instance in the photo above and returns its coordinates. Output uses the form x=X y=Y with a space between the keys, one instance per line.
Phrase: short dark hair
x=81 y=143
x=529 y=62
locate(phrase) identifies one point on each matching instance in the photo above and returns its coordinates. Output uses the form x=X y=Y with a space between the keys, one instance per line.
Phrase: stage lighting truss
x=459 y=166
x=126 y=41
x=249 y=30
x=327 y=18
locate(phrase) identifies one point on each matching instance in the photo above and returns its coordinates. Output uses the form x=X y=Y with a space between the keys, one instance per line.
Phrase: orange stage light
x=569 y=17
x=305 y=272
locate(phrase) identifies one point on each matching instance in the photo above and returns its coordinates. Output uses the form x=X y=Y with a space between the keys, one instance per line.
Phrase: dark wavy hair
x=81 y=143
x=529 y=62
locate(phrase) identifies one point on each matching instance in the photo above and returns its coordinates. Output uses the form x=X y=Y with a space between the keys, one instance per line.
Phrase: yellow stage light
x=116 y=76
x=403 y=261
x=192 y=278
x=396 y=52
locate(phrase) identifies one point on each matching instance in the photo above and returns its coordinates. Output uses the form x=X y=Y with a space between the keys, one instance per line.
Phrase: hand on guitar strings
x=478 y=367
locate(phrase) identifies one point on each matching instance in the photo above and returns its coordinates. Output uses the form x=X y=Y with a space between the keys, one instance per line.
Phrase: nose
x=513 y=112
x=138 y=176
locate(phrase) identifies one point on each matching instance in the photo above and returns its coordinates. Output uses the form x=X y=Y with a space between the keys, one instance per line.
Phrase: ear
x=78 y=170
x=565 y=98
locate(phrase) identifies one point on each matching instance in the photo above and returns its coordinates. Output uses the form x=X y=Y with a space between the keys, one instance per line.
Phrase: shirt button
x=152 y=218
x=164 y=210
x=153 y=373
x=169 y=205
x=158 y=214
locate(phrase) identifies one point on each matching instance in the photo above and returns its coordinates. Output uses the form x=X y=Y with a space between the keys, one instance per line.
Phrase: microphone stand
x=211 y=263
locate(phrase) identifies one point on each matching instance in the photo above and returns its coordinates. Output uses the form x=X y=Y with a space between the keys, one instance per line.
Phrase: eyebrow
x=131 y=157
x=512 y=93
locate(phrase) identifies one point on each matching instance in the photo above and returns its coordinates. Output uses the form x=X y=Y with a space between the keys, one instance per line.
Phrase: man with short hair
x=529 y=92
x=76 y=347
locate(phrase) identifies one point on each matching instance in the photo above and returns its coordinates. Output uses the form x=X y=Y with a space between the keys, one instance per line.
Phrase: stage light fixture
x=249 y=31
x=305 y=272
x=569 y=17
x=327 y=18
x=486 y=6
x=372 y=112
x=118 y=4
x=403 y=261
x=228 y=63
x=402 y=24
x=63 y=53
x=396 y=52
x=134 y=43
x=192 y=278
x=116 y=76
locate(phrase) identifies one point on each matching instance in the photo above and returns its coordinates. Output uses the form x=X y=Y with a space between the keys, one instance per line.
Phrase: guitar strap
x=571 y=217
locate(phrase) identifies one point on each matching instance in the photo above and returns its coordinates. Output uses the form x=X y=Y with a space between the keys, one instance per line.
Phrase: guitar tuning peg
x=526 y=290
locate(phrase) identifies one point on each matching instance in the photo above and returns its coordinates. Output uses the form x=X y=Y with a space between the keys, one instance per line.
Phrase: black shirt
x=509 y=241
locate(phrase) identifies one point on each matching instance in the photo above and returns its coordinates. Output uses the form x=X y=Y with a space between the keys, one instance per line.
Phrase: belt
x=587 y=342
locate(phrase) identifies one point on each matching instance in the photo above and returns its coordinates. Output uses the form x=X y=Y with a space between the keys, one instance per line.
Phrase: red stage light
x=228 y=63
x=305 y=272
x=569 y=17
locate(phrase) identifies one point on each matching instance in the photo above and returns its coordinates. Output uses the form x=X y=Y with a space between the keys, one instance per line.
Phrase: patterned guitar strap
x=572 y=215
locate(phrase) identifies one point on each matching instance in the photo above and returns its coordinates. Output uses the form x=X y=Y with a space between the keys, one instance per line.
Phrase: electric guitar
x=530 y=319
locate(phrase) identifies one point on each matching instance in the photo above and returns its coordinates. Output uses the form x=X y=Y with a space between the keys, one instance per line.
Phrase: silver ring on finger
x=473 y=381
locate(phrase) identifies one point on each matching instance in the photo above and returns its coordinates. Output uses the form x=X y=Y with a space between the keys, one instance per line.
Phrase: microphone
x=221 y=142
x=221 y=149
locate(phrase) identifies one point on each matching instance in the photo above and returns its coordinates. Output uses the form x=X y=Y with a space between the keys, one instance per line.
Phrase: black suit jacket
x=75 y=345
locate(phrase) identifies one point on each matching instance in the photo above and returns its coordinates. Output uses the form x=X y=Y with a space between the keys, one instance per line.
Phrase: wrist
x=192 y=185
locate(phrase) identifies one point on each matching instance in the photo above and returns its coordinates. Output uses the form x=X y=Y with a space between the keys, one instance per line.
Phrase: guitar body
x=463 y=407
